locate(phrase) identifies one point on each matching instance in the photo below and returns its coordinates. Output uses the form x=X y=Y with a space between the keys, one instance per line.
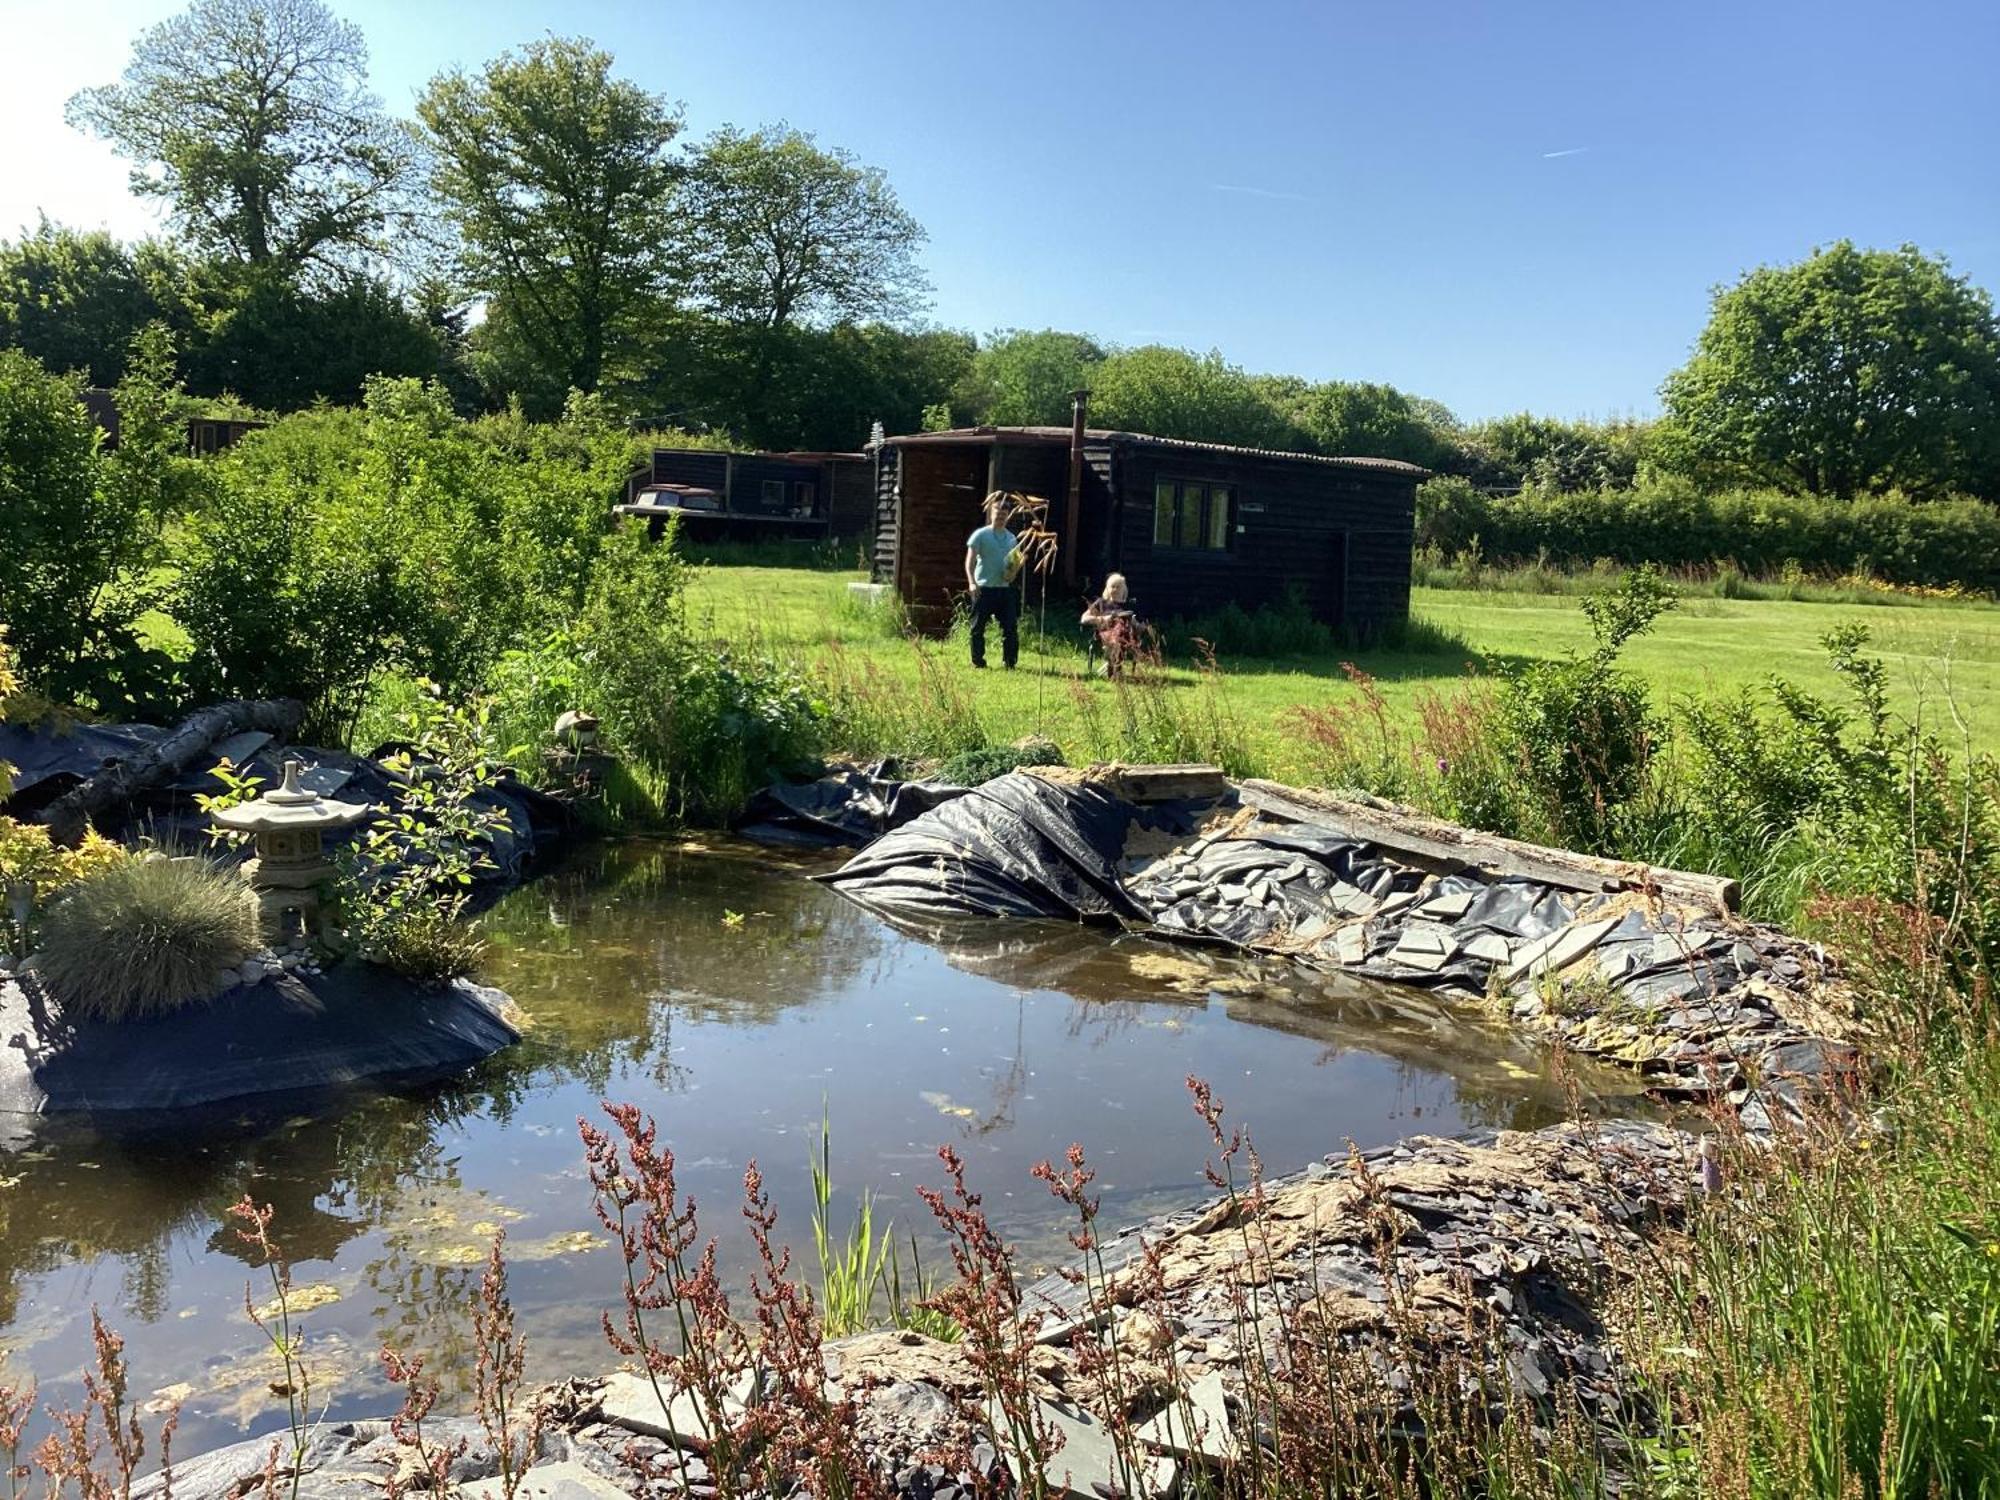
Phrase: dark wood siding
x=1340 y=538
x=705 y=470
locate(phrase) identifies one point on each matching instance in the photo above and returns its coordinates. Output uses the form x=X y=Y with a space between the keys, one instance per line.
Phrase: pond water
x=734 y=1000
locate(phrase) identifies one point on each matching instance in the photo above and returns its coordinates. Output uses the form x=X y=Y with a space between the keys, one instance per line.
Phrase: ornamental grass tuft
x=145 y=937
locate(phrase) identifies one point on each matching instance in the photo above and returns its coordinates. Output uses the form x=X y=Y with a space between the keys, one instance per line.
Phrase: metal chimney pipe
x=1073 y=510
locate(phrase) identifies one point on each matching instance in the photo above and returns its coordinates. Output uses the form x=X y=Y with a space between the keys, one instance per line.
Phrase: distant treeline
x=538 y=226
x=1677 y=524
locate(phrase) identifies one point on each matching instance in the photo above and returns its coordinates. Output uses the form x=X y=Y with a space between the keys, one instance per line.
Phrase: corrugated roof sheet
x=1147 y=439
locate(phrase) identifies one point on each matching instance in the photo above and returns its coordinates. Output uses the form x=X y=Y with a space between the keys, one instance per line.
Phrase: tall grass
x=143 y=937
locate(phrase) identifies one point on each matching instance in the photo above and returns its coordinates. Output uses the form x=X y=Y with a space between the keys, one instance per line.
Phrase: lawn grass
x=1709 y=644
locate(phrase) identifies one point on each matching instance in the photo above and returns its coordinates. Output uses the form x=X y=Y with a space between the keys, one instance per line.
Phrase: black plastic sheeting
x=1019 y=846
x=352 y=1023
x=49 y=762
x=850 y=805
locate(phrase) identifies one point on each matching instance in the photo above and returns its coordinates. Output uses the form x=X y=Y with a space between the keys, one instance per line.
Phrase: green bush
x=977 y=767
x=144 y=937
x=1581 y=730
x=1674 y=524
x=347 y=545
x=704 y=723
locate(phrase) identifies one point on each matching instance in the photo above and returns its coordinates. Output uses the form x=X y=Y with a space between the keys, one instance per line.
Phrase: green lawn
x=1707 y=644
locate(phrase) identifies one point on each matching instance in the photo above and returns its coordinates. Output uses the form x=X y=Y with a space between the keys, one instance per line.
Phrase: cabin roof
x=1061 y=435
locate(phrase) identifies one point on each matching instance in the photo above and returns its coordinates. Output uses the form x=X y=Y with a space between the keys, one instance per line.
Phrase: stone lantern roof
x=291 y=808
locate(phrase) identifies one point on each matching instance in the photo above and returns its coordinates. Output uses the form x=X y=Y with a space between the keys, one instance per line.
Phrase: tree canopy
x=253 y=120
x=781 y=230
x=558 y=178
x=1850 y=372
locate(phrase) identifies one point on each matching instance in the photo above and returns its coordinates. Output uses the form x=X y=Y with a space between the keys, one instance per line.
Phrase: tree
x=1022 y=379
x=73 y=300
x=1173 y=393
x=1361 y=419
x=1851 y=372
x=557 y=177
x=781 y=230
x=253 y=119
x=276 y=344
x=1548 y=453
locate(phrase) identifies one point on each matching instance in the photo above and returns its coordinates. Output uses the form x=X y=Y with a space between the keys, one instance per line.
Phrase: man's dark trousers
x=1000 y=604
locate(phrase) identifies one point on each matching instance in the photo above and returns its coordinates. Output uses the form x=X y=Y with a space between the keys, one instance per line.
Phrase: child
x=1116 y=623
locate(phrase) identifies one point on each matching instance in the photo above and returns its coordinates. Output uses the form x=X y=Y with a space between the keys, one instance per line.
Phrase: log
x=120 y=781
x=1170 y=783
x=1430 y=843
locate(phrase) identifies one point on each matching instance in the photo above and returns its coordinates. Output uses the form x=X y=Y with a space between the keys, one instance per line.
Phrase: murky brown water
x=734 y=1000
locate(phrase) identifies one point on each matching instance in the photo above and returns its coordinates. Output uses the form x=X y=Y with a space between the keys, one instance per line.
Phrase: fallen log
x=1434 y=844
x=120 y=781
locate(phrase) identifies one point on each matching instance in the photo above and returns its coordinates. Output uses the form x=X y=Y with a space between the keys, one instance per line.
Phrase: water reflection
x=734 y=1000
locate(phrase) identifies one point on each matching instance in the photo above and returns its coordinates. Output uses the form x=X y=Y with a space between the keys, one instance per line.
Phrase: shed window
x=803 y=495
x=774 y=494
x=1191 y=515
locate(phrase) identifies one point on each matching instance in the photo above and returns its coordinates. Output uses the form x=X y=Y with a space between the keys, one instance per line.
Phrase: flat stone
x=566 y=1480
x=1086 y=1465
x=1560 y=949
x=631 y=1402
x=1195 y=1425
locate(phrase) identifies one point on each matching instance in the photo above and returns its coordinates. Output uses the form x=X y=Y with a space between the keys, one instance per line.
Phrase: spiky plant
x=144 y=937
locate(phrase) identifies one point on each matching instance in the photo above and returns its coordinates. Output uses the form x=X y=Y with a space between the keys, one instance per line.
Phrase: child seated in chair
x=1113 y=621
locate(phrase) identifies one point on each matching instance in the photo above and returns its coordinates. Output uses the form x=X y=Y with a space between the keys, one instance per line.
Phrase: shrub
x=429 y=942
x=144 y=937
x=406 y=880
x=976 y=767
x=1581 y=730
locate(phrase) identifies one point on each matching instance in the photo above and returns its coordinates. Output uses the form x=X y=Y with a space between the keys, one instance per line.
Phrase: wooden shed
x=720 y=494
x=1193 y=526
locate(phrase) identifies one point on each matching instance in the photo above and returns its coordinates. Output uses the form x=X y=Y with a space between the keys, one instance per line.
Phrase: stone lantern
x=290 y=873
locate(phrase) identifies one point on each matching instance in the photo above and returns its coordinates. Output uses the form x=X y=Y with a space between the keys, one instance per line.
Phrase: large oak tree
x=1851 y=372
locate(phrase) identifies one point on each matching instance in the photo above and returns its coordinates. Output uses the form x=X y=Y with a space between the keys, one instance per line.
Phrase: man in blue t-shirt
x=989 y=574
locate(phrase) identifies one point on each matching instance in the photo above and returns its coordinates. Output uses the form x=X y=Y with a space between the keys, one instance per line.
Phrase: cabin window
x=1192 y=516
x=803 y=497
x=774 y=494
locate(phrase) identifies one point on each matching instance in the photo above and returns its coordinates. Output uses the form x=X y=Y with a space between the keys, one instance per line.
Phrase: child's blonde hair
x=1115 y=588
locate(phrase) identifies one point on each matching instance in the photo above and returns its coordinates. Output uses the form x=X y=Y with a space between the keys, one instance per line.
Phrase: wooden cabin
x=1193 y=526
x=718 y=494
x=206 y=434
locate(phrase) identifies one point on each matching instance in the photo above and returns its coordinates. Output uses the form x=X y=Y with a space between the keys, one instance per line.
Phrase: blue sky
x=1505 y=206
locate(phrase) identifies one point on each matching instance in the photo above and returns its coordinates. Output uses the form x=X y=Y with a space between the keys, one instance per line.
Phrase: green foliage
x=1023 y=379
x=142 y=937
x=781 y=230
x=73 y=299
x=703 y=723
x=1351 y=417
x=1174 y=393
x=976 y=767
x=82 y=528
x=556 y=176
x=344 y=545
x=1831 y=1325
x=1580 y=730
x=1545 y=453
x=1673 y=523
x=406 y=880
x=253 y=121
x=284 y=345
x=1851 y=372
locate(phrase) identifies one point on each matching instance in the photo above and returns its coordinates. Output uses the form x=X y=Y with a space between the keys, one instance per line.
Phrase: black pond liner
x=297 y=1033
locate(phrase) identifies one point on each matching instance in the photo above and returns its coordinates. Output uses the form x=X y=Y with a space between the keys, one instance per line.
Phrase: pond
x=739 y=1003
